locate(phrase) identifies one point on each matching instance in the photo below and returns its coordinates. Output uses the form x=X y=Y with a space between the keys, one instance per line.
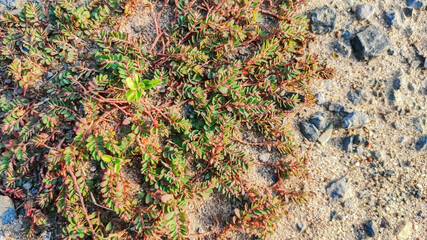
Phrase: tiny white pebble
x=357 y=164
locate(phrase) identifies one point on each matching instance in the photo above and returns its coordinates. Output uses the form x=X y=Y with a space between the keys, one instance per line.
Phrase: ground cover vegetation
x=82 y=105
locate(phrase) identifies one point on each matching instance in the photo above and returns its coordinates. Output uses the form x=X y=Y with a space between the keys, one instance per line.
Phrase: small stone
x=408 y=163
x=408 y=11
x=310 y=131
x=370 y=43
x=390 y=52
x=347 y=203
x=399 y=83
x=341 y=48
x=49 y=75
x=337 y=189
x=347 y=144
x=346 y=34
x=414 y=3
x=384 y=223
x=421 y=144
x=7 y=210
x=388 y=173
x=364 y=12
x=404 y=230
x=370 y=228
x=300 y=226
x=390 y=18
x=355 y=119
x=420 y=213
x=319 y=119
x=356 y=96
x=264 y=157
x=323 y=20
x=326 y=135
x=358 y=139
x=373 y=164
x=27 y=186
x=378 y=155
x=320 y=98
x=336 y=107
x=332 y=215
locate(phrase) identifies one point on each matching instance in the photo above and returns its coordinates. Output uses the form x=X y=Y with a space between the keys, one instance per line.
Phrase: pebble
x=347 y=203
x=364 y=12
x=320 y=98
x=347 y=144
x=404 y=230
x=356 y=96
x=7 y=210
x=336 y=107
x=300 y=226
x=370 y=228
x=390 y=18
x=384 y=223
x=323 y=20
x=319 y=119
x=414 y=3
x=355 y=119
x=408 y=11
x=27 y=186
x=264 y=157
x=326 y=135
x=310 y=131
x=370 y=43
x=341 y=48
x=357 y=139
x=359 y=149
x=421 y=144
x=337 y=189
x=378 y=155
x=49 y=75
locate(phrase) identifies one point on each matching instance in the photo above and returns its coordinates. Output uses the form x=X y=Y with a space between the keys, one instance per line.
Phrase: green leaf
x=131 y=83
x=131 y=95
x=151 y=83
x=117 y=168
x=107 y=158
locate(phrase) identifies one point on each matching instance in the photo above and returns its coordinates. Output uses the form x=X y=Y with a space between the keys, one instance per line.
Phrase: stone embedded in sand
x=319 y=119
x=323 y=20
x=370 y=228
x=370 y=43
x=310 y=131
x=326 y=135
x=347 y=144
x=264 y=157
x=337 y=189
x=364 y=12
x=421 y=144
x=355 y=119
x=7 y=210
x=404 y=230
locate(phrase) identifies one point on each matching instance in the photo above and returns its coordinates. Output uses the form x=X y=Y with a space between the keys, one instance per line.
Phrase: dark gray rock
x=364 y=12
x=358 y=139
x=370 y=43
x=336 y=107
x=370 y=228
x=408 y=11
x=391 y=18
x=319 y=119
x=7 y=210
x=347 y=144
x=355 y=119
x=421 y=144
x=310 y=131
x=356 y=96
x=337 y=189
x=341 y=48
x=323 y=20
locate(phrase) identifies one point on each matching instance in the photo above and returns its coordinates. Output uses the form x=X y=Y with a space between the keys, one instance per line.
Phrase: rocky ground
x=367 y=135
